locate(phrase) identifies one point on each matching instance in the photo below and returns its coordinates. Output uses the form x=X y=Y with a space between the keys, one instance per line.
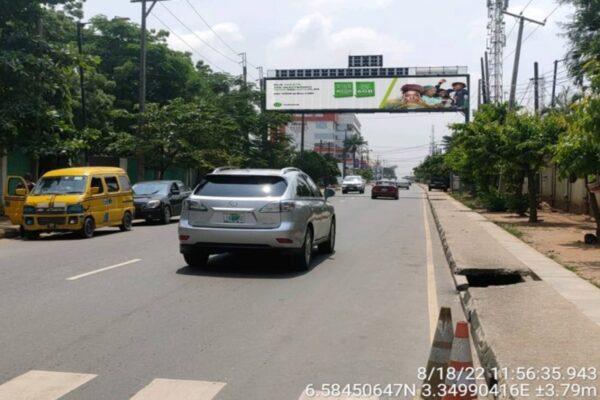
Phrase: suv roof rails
x=290 y=169
x=224 y=168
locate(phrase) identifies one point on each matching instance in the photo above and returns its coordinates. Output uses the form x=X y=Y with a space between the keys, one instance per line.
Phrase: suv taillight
x=194 y=205
x=282 y=206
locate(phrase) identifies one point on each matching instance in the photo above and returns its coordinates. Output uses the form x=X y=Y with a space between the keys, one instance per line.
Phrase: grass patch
x=468 y=200
x=512 y=230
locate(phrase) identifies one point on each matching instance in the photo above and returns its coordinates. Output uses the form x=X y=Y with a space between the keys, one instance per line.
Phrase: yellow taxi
x=71 y=199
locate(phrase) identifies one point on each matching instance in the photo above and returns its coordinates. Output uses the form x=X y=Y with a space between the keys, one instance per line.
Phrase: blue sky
x=321 y=33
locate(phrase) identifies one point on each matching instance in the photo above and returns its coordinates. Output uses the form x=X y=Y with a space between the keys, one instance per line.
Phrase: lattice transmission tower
x=496 y=41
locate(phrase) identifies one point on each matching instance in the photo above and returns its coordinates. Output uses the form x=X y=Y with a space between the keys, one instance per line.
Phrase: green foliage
x=365 y=173
x=583 y=32
x=433 y=165
x=322 y=169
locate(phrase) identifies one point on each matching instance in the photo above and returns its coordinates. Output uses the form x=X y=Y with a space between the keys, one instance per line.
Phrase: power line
x=516 y=21
x=234 y=51
x=198 y=36
x=211 y=29
x=188 y=45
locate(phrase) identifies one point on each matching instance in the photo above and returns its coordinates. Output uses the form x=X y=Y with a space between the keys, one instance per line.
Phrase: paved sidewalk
x=526 y=311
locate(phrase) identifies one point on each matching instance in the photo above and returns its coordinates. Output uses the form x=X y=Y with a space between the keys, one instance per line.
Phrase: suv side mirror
x=175 y=191
x=21 y=192
x=329 y=193
x=95 y=190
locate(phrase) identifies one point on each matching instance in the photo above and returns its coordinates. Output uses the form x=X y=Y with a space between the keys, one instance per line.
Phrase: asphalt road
x=243 y=328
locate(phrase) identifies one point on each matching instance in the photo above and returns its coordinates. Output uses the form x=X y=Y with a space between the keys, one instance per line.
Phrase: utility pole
x=244 y=70
x=536 y=88
x=513 y=84
x=80 y=25
x=553 y=101
x=142 y=97
x=479 y=93
x=344 y=148
x=482 y=88
x=486 y=81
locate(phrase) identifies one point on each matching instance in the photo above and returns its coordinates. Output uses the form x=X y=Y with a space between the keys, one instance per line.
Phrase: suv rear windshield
x=241 y=186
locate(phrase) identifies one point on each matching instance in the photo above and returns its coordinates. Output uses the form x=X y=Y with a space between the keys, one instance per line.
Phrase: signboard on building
x=397 y=94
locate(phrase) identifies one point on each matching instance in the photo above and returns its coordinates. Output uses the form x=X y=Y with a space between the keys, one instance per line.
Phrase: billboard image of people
x=402 y=94
x=415 y=96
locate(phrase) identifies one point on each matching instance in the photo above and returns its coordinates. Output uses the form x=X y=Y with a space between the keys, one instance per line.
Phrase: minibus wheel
x=87 y=231
x=126 y=222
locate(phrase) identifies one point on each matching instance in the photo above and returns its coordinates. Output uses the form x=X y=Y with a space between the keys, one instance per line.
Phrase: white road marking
x=104 y=269
x=432 y=301
x=322 y=396
x=42 y=385
x=177 y=389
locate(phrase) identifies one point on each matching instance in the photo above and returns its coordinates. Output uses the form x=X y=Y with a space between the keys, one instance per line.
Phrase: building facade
x=325 y=134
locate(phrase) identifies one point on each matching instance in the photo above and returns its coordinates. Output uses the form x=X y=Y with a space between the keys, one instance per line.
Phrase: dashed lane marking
x=73 y=278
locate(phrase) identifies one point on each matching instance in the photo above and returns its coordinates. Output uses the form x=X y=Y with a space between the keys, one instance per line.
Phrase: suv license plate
x=233 y=218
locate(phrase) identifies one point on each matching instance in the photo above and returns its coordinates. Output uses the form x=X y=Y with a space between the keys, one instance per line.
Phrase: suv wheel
x=31 y=235
x=197 y=259
x=328 y=246
x=303 y=255
x=166 y=216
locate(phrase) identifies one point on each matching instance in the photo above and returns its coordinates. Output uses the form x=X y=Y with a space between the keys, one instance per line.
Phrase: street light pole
x=344 y=156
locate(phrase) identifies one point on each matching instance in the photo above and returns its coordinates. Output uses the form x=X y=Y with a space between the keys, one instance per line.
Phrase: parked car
x=353 y=183
x=71 y=200
x=438 y=182
x=257 y=209
x=385 y=188
x=403 y=184
x=159 y=200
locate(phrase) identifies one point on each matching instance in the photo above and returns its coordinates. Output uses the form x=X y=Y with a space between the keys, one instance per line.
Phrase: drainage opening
x=485 y=280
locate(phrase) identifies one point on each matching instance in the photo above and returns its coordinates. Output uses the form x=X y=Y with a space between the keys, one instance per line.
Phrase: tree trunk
x=595 y=211
x=532 y=196
x=353 y=160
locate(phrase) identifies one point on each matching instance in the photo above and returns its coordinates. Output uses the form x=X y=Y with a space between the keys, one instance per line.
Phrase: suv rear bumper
x=227 y=239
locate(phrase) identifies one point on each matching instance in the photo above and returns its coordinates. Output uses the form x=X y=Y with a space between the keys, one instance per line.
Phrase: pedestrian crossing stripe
x=322 y=396
x=177 y=389
x=50 y=385
x=42 y=385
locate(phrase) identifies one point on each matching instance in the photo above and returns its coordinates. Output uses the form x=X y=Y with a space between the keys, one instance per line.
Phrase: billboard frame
x=466 y=111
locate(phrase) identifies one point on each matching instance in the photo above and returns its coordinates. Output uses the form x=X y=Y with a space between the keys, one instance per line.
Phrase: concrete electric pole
x=513 y=84
x=142 y=96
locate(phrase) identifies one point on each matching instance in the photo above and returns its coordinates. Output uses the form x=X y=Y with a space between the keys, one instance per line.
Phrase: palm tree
x=352 y=145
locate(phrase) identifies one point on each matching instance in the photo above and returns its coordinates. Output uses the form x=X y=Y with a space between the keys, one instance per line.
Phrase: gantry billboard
x=394 y=94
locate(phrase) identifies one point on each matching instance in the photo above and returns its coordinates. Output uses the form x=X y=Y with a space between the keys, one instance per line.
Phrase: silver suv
x=236 y=209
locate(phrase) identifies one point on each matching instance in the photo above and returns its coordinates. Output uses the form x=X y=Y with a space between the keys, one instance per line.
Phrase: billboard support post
x=468 y=109
x=302 y=137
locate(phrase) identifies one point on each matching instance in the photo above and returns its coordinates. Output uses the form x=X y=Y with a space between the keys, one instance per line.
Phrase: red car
x=385 y=189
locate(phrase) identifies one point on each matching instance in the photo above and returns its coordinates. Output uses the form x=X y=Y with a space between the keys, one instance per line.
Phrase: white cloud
x=337 y=5
x=313 y=42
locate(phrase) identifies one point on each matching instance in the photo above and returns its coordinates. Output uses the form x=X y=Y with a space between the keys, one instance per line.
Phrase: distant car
x=403 y=184
x=385 y=188
x=159 y=200
x=238 y=210
x=438 y=182
x=353 y=183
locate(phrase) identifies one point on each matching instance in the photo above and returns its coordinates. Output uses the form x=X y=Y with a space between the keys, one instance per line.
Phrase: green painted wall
x=18 y=164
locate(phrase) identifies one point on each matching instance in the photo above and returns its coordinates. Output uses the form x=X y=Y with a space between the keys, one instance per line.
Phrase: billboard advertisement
x=402 y=94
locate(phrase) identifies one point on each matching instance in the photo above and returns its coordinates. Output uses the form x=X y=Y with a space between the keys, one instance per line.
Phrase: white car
x=353 y=183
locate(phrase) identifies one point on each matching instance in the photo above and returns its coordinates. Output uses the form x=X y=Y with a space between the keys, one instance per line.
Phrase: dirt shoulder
x=559 y=236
